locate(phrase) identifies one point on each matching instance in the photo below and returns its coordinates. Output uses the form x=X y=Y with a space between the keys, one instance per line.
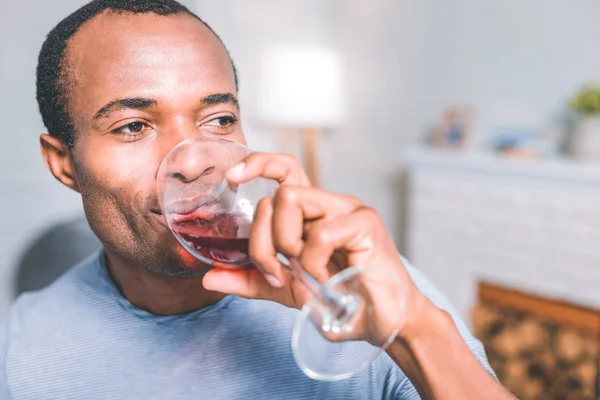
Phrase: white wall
x=247 y=28
x=516 y=61
x=30 y=199
x=351 y=155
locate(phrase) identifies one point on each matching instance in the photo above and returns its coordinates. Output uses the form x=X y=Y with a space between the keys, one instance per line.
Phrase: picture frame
x=454 y=129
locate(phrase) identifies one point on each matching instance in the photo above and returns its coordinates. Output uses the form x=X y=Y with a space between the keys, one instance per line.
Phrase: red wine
x=216 y=237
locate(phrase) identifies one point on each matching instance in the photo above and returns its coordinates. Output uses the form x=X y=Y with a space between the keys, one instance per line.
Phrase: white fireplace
x=532 y=225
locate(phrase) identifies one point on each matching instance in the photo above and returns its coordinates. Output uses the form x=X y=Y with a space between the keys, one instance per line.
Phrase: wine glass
x=335 y=335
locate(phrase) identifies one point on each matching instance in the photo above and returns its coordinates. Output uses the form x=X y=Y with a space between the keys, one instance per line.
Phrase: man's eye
x=222 y=122
x=131 y=128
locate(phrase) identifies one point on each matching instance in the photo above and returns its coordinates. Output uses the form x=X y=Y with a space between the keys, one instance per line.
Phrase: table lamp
x=301 y=89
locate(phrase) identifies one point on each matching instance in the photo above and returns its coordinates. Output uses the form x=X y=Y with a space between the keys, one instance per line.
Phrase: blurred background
x=473 y=127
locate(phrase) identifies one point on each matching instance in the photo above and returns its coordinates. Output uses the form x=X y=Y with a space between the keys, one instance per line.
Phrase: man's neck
x=158 y=294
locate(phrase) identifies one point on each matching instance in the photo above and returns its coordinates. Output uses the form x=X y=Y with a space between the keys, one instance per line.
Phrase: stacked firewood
x=538 y=359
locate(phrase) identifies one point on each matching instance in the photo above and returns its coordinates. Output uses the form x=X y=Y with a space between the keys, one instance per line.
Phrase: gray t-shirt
x=80 y=339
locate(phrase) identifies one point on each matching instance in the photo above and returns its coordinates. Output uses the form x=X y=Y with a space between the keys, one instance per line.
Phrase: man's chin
x=191 y=273
x=179 y=263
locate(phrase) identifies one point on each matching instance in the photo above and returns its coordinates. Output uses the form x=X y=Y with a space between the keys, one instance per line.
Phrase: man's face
x=140 y=84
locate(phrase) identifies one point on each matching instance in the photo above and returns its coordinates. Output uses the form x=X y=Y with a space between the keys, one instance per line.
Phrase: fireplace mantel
x=528 y=224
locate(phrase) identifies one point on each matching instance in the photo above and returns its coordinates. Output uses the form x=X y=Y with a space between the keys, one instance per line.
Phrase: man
x=119 y=84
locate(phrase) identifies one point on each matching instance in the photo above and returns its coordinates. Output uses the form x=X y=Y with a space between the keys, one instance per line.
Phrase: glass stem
x=341 y=305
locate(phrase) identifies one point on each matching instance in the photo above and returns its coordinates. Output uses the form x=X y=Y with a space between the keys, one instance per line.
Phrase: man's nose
x=198 y=159
x=190 y=168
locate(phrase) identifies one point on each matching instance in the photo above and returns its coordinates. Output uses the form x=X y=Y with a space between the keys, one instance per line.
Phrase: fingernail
x=272 y=279
x=283 y=259
x=237 y=170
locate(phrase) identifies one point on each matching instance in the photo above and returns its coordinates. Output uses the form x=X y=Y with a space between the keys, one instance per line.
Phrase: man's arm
x=440 y=356
x=328 y=232
x=4 y=392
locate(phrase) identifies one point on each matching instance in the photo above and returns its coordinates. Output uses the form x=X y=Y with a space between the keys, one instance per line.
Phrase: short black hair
x=51 y=85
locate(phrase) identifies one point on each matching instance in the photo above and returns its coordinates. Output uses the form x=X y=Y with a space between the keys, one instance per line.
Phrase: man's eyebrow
x=119 y=104
x=221 y=98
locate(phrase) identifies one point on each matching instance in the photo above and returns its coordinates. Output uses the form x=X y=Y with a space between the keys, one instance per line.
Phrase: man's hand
x=327 y=233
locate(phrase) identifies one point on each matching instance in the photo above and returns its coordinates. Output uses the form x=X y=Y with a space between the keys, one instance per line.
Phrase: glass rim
x=201 y=139
x=163 y=176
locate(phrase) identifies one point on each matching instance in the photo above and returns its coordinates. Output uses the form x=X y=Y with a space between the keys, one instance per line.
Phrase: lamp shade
x=300 y=87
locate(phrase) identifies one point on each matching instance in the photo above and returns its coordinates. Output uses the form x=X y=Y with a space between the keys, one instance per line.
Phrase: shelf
x=557 y=169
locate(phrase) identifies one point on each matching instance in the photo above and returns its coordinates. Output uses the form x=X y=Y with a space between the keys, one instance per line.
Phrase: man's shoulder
x=53 y=301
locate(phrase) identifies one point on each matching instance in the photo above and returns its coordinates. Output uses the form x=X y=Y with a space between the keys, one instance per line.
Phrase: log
x=540 y=349
x=570 y=346
x=484 y=318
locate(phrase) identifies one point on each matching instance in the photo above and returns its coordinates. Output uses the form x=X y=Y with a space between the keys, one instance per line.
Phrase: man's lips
x=185 y=206
x=190 y=205
x=174 y=217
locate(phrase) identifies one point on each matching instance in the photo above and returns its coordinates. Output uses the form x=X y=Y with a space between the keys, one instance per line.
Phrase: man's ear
x=58 y=160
